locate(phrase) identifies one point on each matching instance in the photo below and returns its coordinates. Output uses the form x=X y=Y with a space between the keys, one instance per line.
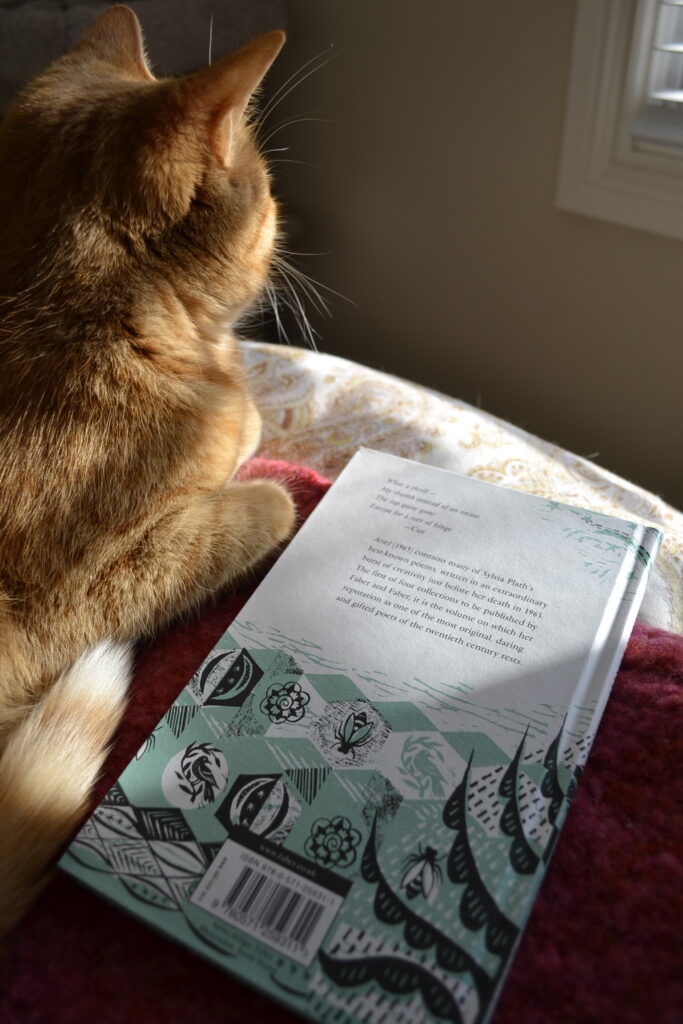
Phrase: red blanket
x=604 y=942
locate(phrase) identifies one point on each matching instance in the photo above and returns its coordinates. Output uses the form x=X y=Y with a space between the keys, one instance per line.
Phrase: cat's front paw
x=259 y=515
x=277 y=509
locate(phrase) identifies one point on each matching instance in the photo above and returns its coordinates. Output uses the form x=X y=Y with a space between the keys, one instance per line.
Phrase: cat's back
x=138 y=226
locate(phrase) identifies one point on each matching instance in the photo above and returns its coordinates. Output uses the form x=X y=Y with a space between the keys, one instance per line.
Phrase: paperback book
x=352 y=803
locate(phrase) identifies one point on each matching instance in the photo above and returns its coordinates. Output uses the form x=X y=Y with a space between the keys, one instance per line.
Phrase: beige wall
x=434 y=189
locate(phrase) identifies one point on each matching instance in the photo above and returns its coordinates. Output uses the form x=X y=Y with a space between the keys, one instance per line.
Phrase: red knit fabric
x=603 y=943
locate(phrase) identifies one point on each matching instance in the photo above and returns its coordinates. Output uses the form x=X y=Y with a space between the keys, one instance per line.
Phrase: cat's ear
x=116 y=38
x=220 y=93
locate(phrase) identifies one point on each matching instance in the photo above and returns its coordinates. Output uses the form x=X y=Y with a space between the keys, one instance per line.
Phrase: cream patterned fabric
x=318 y=410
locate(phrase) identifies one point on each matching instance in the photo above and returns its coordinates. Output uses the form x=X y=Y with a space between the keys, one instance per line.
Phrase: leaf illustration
x=132 y=858
x=115 y=796
x=522 y=856
x=554 y=835
x=477 y=907
x=164 y=823
x=178 y=858
x=117 y=821
x=73 y=853
x=206 y=671
x=396 y=976
x=240 y=676
x=148 y=893
x=148 y=744
x=550 y=786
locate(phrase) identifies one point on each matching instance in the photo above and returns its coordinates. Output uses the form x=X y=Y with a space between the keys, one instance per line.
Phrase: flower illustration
x=333 y=843
x=285 y=703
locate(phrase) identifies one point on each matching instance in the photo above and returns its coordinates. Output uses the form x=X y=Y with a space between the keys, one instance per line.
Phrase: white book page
x=424 y=582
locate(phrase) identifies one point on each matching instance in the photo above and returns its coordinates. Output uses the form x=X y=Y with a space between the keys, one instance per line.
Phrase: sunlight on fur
x=137 y=227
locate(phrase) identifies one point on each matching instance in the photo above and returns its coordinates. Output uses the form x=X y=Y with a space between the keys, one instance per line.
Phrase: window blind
x=659 y=117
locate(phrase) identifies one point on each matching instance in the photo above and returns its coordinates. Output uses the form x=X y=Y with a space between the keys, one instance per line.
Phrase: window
x=658 y=69
x=622 y=154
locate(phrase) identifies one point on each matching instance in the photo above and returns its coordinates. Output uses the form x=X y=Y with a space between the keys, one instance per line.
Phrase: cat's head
x=112 y=181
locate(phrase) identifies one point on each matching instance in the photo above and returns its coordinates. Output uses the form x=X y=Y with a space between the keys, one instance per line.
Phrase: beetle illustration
x=423 y=875
x=355 y=732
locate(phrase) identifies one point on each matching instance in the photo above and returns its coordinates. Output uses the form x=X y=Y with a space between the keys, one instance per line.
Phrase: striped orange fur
x=137 y=227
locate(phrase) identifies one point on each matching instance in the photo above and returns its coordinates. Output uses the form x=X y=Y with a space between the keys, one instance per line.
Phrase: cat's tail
x=48 y=768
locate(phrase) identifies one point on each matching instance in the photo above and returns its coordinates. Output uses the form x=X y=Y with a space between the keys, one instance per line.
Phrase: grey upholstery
x=34 y=33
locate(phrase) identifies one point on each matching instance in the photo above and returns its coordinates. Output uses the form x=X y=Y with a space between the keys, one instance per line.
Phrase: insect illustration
x=355 y=732
x=423 y=875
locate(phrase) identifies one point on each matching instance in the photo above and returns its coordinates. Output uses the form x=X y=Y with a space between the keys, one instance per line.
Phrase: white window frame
x=605 y=172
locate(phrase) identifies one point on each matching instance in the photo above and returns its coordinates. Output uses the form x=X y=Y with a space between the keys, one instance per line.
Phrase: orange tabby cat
x=137 y=225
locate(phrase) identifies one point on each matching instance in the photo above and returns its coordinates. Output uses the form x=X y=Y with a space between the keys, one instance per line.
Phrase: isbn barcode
x=274 y=906
x=270 y=902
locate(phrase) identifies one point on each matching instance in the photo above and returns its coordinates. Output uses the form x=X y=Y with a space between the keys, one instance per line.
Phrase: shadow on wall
x=424 y=166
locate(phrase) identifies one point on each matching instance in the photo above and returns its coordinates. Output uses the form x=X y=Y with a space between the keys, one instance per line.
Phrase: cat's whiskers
x=301 y=119
x=271 y=292
x=289 y=85
x=282 y=290
x=293 y=301
x=306 y=279
x=295 y=287
x=290 y=286
x=302 y=163
x=294 y=276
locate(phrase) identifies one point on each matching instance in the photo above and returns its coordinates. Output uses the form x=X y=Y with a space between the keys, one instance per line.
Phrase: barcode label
x=283 y=909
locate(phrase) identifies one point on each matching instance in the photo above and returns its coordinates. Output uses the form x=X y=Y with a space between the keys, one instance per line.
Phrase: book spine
x=595 y=684
x=613 y=632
